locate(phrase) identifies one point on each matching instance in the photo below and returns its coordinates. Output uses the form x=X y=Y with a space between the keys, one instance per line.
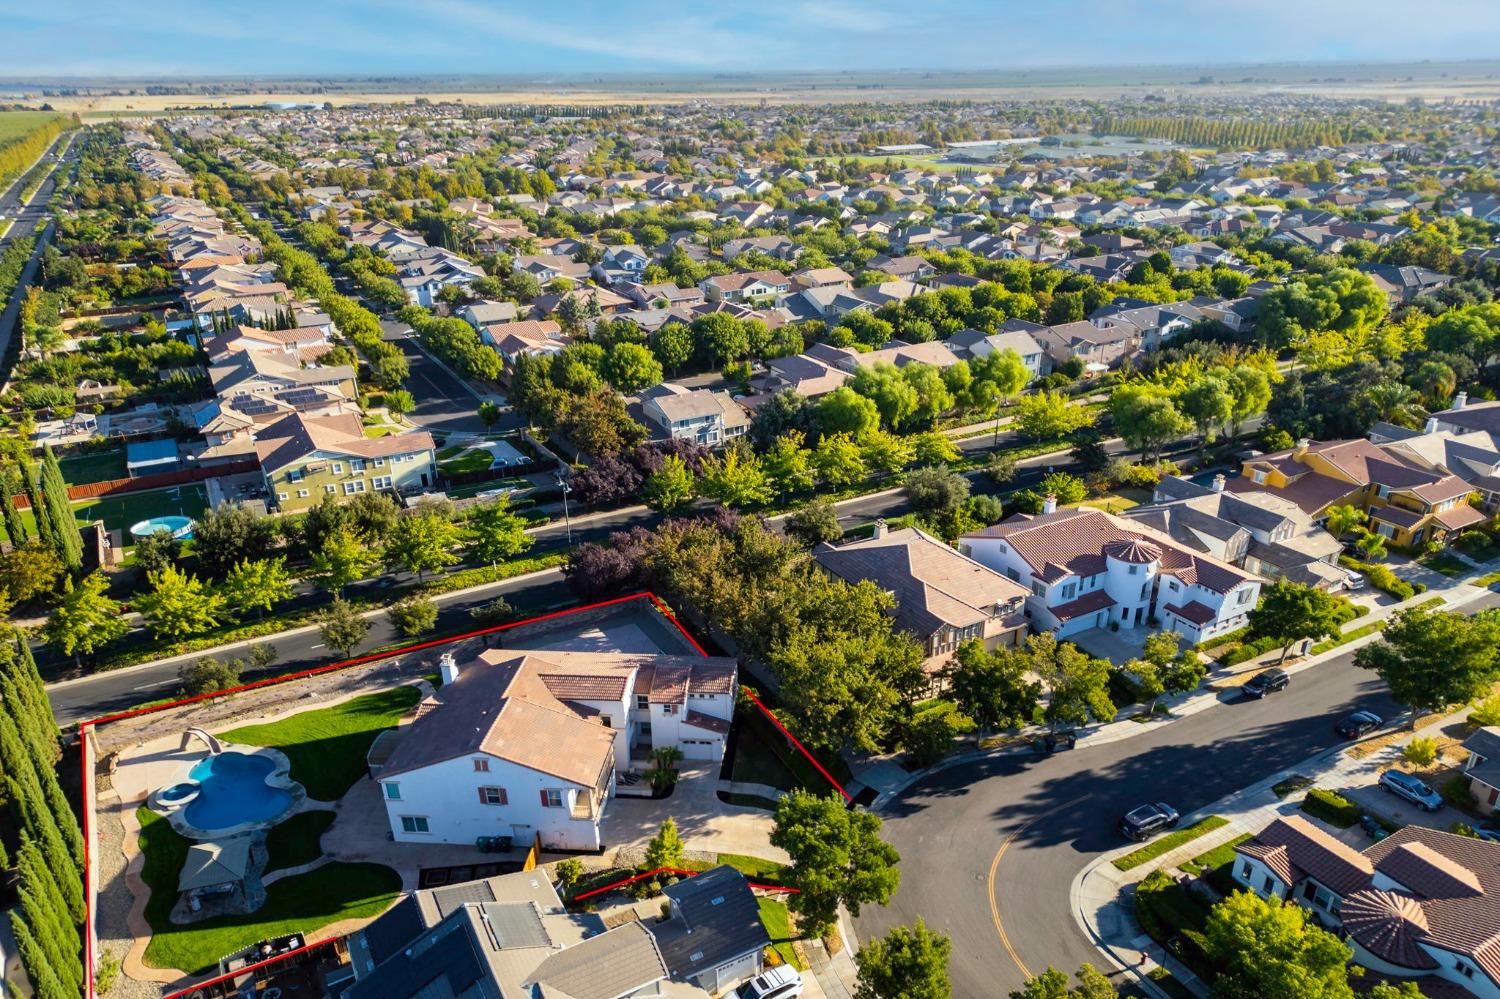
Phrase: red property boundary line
x=670 y=870
x=794 y=741
x=85 y=727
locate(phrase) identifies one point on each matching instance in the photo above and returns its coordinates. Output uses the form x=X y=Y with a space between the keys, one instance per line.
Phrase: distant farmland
x=17 y=124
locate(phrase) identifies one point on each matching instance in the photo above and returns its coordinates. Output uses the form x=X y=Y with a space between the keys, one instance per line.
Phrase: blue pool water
x=179 y=791
x=178 y=527
x=232 y=789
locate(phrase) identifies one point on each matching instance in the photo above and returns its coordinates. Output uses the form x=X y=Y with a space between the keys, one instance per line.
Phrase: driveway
x=703 y=821
x=1119 y=647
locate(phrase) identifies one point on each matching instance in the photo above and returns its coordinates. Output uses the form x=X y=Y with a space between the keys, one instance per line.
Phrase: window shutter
x=481 y=796
x=545 y=804
x=504 y=798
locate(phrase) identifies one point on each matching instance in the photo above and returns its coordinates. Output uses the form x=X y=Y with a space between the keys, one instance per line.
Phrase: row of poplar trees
x=41 y=840
x=47 y=493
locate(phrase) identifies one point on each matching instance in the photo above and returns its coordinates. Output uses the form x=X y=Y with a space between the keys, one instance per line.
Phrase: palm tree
x=1373 y=545
x=1397 y=403
x=1343 y=519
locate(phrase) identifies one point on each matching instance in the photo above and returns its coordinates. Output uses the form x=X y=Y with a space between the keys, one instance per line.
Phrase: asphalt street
x=103 y=693
x=29 y=217
x=989 y=849
x=445 y=405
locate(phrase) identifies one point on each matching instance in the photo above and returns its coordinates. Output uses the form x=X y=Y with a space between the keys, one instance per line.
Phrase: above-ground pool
x=232 y=790
x=178 y=527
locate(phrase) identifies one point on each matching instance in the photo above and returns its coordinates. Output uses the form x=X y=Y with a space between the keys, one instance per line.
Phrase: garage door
x=702 y=749
x=732 y=974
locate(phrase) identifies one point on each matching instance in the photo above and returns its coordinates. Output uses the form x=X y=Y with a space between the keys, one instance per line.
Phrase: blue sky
x=339 y=37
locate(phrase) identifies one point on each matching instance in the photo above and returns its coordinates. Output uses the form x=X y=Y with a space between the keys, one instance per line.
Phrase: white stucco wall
x=447 y=794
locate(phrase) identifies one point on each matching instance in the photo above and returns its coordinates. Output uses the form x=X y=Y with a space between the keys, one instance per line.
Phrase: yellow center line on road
x=995 y=909
x=995 y=866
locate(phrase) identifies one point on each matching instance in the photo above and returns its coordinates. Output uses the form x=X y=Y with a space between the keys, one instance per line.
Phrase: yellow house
x=1409 y=501
x=305 y=458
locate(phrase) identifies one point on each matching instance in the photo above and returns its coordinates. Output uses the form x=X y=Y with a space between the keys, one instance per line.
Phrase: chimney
x=1049 y=505
x=1460 y=400
x=1302 y=445
x=1219 y=483
x=879 y=528
x=1431 y=427
x=448 y=667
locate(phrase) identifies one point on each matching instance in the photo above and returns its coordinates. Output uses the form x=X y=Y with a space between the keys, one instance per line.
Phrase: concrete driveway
x=703 y=821
x=1375 y=800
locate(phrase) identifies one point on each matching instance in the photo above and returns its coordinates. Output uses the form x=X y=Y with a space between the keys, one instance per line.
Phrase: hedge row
x=1331 y=807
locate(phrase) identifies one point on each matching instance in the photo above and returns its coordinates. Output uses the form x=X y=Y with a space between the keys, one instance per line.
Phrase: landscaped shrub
x=1457 y=792
x=1420 y=752
x=1331 y=807
x=1382 y=578
x=1486 y=712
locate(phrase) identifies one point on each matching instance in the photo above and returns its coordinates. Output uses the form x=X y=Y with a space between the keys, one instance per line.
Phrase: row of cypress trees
x=47 y=849
x=47 y=493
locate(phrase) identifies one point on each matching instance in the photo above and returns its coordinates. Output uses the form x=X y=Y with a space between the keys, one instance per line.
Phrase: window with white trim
x=552 y=798
x=302 y=494
x=338 y=468
x=414 y=823
x=380 y=482
x=330 y=488
x=393 y=791
x=356 y=464
x=493 y=796
x=354 y=486
x=281 y=496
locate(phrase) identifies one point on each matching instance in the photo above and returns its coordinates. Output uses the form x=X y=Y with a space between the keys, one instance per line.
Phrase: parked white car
x=780 y=982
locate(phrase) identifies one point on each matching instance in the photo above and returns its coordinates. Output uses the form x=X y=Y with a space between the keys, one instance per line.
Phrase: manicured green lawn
x=1446 y=563
x=1217 y=857
x=131 y=508
x=474 y=460
x=101 y=466
x=301 y=904
x=1171 y=841
x=778 y=923
x=327 y=746
x=757 y=868
x=295 y=841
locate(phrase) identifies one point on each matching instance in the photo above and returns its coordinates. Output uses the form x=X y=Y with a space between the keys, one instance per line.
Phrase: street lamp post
x=562 y=483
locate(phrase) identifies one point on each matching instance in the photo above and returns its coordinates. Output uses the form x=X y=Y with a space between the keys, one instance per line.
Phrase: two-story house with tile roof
x=943 y=598
x=1408 y=500
x=305 y=457
x=1420 y=904
x=1085 y=568
x=522 y=744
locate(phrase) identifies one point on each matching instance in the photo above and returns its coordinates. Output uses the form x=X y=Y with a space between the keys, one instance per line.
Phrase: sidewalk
x=1098 y=895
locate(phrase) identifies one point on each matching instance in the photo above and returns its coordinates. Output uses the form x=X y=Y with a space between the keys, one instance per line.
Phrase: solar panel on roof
x=457 y=896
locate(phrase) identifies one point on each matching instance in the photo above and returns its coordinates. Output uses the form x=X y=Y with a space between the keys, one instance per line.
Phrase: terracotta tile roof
x=1311 y=852
x=1459 y=517
x=1421 y=868
x=515 y=706
x=1389 y=925
x=1193 y=611
x=1086 y=604
x=708 y=723
x=1072 y=542
x=297 y=436
x=934 y=585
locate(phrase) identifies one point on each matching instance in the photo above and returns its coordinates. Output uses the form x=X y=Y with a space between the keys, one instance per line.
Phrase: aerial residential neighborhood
x=783 y=502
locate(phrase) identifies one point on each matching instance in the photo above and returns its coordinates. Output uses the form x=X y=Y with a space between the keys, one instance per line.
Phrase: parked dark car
x=1489 y=829
x=1357 y=724
x=1147 y=820
x=1269 y=682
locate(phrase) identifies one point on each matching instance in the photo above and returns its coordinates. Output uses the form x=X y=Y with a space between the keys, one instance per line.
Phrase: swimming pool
x=177 y=527
x=232 y=790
